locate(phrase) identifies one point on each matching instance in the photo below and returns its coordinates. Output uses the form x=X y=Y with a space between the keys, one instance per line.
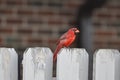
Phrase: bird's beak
x=77 y=31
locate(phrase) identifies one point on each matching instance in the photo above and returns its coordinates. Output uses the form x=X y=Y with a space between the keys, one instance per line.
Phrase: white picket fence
x=72 y=64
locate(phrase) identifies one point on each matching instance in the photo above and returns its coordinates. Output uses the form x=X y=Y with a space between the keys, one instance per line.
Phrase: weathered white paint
x=72 y=64
x=37 y=64
x=106 y=65
x=54 y=78
x=8 y=64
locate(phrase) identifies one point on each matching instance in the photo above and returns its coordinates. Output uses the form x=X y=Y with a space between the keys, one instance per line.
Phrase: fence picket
x=106 y=65
x=8 y=64
x=72 y=64
x=37 y=64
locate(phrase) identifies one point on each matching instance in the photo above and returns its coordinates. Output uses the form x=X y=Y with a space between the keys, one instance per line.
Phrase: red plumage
x=65 y=40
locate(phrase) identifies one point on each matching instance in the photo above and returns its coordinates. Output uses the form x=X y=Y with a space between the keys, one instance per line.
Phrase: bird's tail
x=56 y=52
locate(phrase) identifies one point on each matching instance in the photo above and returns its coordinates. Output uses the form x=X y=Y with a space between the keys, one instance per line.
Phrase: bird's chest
x=69 y=40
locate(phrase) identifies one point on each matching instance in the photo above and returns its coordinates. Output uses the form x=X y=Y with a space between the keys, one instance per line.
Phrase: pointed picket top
x=106 y=64
x=8 y=64
x=37 y=64
x=72 y=64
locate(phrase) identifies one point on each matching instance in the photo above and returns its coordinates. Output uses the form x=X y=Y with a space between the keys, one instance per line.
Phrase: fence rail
x=72 y=64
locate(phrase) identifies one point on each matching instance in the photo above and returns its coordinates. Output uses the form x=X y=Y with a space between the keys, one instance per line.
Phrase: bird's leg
x=68 y=48
x=65 y=47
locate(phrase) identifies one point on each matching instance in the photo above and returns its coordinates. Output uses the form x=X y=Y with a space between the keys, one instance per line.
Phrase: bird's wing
x=64 y=36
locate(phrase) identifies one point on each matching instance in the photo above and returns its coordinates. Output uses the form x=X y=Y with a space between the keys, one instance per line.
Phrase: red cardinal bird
x=65 y=40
